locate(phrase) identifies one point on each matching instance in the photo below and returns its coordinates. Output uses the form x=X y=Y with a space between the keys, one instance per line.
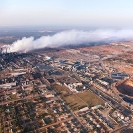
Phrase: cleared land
x=90 y=98
x=59 y=89
x=80 y=100
x=74 y=102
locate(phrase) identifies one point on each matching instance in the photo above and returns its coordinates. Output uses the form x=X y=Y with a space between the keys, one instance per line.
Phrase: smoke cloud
x=71 y=37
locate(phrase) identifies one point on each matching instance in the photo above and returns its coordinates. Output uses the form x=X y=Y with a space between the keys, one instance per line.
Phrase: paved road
x=127 y=125
x=59 y=122
x=66 y=107
x=113 y=102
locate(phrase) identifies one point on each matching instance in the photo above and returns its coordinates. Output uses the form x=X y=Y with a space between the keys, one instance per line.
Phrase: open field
x=58 y=88
x=87 y=98
x=86 y=52
x=90 y=98
x=78 y=101
x=74 y=102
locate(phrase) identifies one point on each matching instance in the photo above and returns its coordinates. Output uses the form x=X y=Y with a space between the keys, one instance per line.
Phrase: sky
x=95 y=13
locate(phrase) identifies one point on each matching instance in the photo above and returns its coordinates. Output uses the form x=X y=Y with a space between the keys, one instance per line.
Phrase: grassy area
x=58 y=88
x=90 y=98
x=78 y=101
x=74 y=102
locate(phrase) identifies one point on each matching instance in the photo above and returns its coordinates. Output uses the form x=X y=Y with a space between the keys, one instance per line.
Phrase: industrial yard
x=47 y=92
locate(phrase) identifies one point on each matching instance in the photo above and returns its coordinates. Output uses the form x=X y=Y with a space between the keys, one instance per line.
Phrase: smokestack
x=9 y=50
x=1 y=51
x=6 y=50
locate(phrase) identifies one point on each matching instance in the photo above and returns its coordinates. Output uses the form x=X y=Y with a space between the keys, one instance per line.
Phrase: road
x=66 y=107
x=59 y=122
x=127 y=125
x=25 y=98
x=113 y=102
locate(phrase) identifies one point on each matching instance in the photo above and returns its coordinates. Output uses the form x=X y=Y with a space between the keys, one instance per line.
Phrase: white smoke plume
x=71 y=37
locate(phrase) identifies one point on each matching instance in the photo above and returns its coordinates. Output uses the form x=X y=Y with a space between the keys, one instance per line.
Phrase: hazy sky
x=108 y=13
